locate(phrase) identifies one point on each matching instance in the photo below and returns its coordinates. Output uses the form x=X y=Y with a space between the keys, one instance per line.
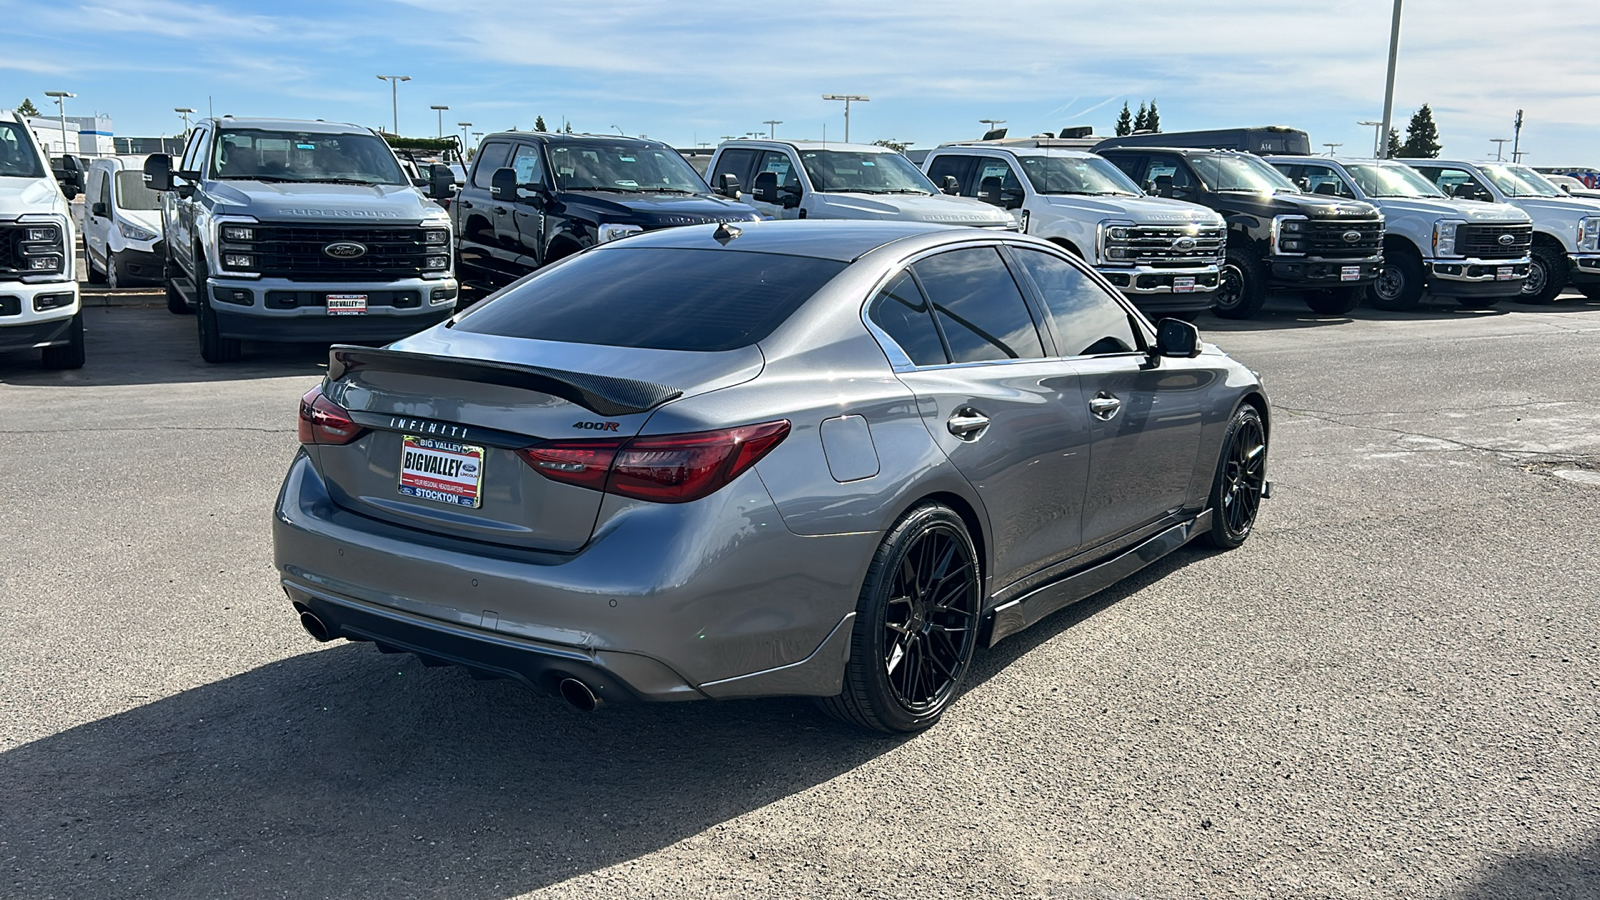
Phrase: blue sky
x=692 y=72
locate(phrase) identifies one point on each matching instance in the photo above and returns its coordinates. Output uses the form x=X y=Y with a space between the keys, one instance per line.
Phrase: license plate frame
x=1505 y=273
x=347 y=304
x=1183 y=284
x=1349 y=273
x=447 y=472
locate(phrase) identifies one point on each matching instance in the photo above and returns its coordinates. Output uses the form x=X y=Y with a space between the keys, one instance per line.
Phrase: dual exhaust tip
x=577 y=694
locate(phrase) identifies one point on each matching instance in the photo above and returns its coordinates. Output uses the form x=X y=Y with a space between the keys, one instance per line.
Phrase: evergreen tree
x=1124 y=122
x=1422 y=137
x=27 y=108
x=896 y=146
x=1152 y=121
x=569 y=128
x=1395 y=148
x=538 y=123
x=1141 y=120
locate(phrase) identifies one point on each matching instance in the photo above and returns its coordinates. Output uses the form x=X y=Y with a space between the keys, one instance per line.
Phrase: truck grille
x=296 y=252
x=1172 y=246
x=1483 y=241
x=1327 y=238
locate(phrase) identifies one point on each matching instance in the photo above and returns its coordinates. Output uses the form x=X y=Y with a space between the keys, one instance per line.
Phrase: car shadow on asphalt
x=1287 y=313
x=1540 y=875
x=346 y=772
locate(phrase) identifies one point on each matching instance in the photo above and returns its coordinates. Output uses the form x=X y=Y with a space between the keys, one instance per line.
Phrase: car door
x=97 y=222
x=1145 y=420
x=786 y=175
x=1006 y=414
x=526 y=240
x=475 y=211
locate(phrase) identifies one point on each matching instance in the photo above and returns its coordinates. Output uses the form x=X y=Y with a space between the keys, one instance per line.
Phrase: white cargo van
x=122 y=224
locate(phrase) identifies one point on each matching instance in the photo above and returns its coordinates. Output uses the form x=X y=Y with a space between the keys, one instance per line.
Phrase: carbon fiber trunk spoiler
x=601 y=394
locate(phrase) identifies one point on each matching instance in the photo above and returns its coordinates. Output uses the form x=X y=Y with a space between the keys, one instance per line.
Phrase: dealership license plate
x=1504 y=273
x=347 y=304
x=1184 y=285
x=1350 y=273
x=441 y=471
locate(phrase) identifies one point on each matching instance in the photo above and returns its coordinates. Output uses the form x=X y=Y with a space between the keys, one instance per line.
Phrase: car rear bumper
x=24 y=325
x=667 y=602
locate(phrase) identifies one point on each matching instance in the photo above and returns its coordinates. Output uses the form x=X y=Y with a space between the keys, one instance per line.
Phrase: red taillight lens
x=673 y=468
x=323 y=421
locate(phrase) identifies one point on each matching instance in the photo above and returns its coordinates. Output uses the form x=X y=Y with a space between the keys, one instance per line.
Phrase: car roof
x=843 y=240
x=300 y=125
x=1341 y=160
x=576 y=138
x=808 y=145
x=1181 y=151
x=1019 y=149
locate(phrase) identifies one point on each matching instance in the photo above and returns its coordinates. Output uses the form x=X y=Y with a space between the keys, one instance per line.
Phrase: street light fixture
x=464 y=127
x=772 y=127
x=848 y=99
x=1377 y=139
x=440 y=110
x=1499 y=147
x=185 y=112
x=1331 y=147
x=61 y=109
x=394 y=96
x=991 y=123
x=619 y=130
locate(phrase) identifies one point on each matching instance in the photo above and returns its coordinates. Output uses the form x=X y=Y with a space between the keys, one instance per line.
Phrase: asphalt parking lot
x=1390 y=691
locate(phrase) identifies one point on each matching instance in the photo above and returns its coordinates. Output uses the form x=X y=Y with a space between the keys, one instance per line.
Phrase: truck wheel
x=70 y=355
x=1335 y=301
x=113 y=277
x=94 y=276
x=1242 y=288
x=1547 y=275
x=1399 y=284
x=214 y=348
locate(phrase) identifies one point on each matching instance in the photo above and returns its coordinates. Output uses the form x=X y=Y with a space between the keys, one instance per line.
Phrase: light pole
x=1332 y=147
x=185 y=112
x=1377 y=138
x=394 y=96
x=440 y=110
x=1388 y=89
x=464 y=127
x=61 y=109
x=619 y=130
x=991 y=123
x=772 y=127
x=848 y=99
x=1499 y=147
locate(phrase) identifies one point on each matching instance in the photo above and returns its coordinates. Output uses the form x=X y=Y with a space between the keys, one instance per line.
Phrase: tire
x=1547 y=275
x=1335 y=301
x=1241 y=477
x=94 y=276
x=1242 y=286
x=70 y=356
x=1399 y=284
x=916 y=625
x=175 y=302
x=1478 y=302
x=113 y=278
x=214 y=348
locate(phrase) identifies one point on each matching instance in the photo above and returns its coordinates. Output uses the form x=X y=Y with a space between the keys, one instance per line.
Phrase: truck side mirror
x=950 y=185
x=158 y=172
x=1163 y=185
x=1177 y=339
x=766 y=188
x=70 y=177
x=729 y=186
x=503 y=185
x=441 y=183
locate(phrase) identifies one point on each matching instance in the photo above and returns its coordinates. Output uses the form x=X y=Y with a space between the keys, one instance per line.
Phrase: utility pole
x=772 y=128
x=394 y=94
x=440 y=110
x=848 y=99
x=1499 y=145
x=1516 y=138
x=1388 y=90
x=61 y=109
x=1378 y=142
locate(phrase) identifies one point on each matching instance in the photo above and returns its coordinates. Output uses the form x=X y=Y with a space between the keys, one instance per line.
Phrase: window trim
x=477 y=161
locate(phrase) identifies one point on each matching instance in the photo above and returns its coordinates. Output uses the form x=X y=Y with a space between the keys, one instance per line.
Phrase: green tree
x=1124 y=122
x=538 y=123
x=1141 y=119
x=1152 y=120
x=27 y=108
x=1395 y=147
x=1422 y=136
x=569 y=128
x=896 y=146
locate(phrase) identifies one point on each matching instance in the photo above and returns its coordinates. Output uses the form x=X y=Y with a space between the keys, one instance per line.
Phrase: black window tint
x=1087 y=321
x=1166 y=164
x=979 y=307
x=902 y=312
x=736 y=163
x=1131 y=165
x=660 y=298
x=490 y=157
x=950 y=164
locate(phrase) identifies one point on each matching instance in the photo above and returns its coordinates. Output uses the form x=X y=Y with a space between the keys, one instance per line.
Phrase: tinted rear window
x=656 y=298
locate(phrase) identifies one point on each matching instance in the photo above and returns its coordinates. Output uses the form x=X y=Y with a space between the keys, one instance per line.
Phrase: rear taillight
x=323 y=421
x=670 y=468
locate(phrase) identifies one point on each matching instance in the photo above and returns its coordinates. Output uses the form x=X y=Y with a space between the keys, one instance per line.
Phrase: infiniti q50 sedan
x=828 y=459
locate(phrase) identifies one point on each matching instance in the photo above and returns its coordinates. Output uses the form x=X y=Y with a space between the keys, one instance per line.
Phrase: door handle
x=967 y=423
x=1104 y=406
x=499 y=210
x=467 y=204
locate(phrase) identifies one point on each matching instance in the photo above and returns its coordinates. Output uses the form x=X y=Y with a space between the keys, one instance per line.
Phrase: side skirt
x=1015 y=615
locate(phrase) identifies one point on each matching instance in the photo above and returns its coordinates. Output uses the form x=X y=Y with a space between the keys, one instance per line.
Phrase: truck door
x=525 y=240
x=474 y=212
x=177 y=210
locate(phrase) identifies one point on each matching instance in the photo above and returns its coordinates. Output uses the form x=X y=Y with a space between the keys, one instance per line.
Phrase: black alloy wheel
x=1335 y=301
x=1399 y=284
x=1241 y=480
x=1241 y=286
x=916 y=625
x=1547 y=275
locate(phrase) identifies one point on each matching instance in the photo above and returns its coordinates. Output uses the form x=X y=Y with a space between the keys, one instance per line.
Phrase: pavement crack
x=1337 y=419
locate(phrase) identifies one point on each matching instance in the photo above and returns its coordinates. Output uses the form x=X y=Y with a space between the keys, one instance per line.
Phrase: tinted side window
x=902 y=312
x=1315 y=177
x=491 y=156
x=191 y=153
x=526 y=161
x=978 y=305
x=1131 y=164
x=953 y=165
x=736 y=163
x=1166 y=164
x=993 y=179
x=105 y=189
x=1087 y=321
x=778 y=163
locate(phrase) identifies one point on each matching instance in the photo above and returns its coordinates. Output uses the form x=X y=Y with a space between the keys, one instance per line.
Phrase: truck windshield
x=623 y=168
x=132 y=194
x=1077 y=175
x=17 y=157
x=1520 y=181
x=861 y=172
x=256 y=155
x=1237 y=172
x=1391 y=180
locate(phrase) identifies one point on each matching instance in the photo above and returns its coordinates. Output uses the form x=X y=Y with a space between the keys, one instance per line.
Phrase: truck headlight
x=613 y=232
x=42 y=233
x=1289 y=235
x=436 y=263
x=1444 y=237
x=238 y=261
x=1589 y=234
x=134 y=233
x=436 y=237
x=1111 y=242
x=238 y=233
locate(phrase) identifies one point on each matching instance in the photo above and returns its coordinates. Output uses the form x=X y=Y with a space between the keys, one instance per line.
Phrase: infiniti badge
x=345 y=250
x=1350 y=237
x=1507 y=240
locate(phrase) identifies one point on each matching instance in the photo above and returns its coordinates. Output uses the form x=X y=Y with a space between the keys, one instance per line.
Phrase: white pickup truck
x=1469 y=250
x=1566 y=230
x=815 y=180
x=39 y=307
x=1163 y=254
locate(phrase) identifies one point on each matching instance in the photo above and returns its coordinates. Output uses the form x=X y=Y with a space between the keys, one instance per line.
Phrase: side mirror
x=99 y=211
x=1163 y=186
x=1177 y=339
x=158 y=172
x=766 y=188
x=70 y=177
x=728 y=186
x=791 y=195
x=950 y=185
x=1565 y=188
x=441 y=183
x=503 y=185
x=1011 y=198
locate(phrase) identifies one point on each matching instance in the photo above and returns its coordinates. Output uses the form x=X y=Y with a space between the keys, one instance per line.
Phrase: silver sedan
x=828 y=459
